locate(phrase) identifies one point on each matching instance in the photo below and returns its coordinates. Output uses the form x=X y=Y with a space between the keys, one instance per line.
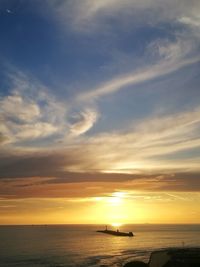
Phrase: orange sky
x=99 y=205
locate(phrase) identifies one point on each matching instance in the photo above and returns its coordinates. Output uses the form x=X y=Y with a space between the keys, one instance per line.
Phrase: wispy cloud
x=88 y=15
x=17 y=108
x=140 y=153
x=28 y=112
x=172 y=57
x=22 y=119
x=85 y=121
x=31 y=112
x=147 y=145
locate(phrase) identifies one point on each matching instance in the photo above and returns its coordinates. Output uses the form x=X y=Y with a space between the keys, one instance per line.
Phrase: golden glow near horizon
x=115 y=209
x=115 y=224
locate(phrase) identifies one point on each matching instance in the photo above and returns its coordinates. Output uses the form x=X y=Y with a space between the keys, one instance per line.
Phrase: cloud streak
x=87 y=15
x=49 y=187
x=173 y=60
x=147 y=154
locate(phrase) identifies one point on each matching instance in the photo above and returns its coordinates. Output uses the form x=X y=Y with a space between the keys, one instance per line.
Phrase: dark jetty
x=116 y=233
x=173 y=257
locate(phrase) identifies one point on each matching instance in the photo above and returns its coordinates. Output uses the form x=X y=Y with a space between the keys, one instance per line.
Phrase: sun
x=114 y=200
x=115 y=224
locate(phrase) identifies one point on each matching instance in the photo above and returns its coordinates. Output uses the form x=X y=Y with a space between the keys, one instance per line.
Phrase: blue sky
x=105 y=89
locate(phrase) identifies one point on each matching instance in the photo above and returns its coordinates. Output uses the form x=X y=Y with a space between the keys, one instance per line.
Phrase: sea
x=81 y=245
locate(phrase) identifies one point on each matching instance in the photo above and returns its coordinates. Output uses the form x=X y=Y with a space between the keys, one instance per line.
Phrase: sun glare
x=114 y=200
x=116 y=224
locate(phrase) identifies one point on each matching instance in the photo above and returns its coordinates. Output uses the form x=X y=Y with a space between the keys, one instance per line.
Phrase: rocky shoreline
x=172 y=257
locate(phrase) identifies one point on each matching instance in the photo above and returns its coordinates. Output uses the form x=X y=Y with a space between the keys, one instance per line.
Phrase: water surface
x=81 y=245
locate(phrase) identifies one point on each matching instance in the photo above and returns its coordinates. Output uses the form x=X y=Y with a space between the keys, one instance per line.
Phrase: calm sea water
x=81 y=246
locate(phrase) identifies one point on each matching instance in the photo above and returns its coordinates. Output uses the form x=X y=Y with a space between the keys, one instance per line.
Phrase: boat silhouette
x=116 y=233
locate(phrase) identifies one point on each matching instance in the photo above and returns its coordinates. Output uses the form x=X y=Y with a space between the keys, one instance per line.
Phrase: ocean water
x=81 y=245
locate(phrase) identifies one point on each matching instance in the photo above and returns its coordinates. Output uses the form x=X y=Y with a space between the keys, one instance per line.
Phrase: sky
x=99 y=111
